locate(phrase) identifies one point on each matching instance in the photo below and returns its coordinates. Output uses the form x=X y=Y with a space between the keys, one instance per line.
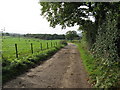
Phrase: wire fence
x=16 y=50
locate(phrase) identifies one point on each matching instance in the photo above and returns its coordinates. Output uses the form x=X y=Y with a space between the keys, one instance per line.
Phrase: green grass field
x=12 y=66
x=24 y=46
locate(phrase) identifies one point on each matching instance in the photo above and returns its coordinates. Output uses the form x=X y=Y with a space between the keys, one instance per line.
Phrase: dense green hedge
x=105 y=50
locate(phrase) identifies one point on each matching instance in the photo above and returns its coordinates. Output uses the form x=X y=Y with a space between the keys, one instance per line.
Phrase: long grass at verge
x=89 y=62
x=91 y=66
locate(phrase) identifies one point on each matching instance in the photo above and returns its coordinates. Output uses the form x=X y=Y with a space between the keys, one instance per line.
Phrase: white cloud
x=23 y=16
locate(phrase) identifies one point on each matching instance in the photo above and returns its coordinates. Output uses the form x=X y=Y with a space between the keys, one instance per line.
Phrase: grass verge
x=89 y=62
x=99 y=77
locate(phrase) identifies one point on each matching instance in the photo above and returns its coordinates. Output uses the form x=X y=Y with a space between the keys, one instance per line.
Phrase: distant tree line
x=70 y=35
x=46 y=36
x=12 y=34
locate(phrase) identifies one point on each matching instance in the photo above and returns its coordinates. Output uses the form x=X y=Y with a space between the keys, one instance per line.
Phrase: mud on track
x=63 y=70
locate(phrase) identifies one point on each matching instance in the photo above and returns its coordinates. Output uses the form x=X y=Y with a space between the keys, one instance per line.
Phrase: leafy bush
x=5 y=62
x=63 y=42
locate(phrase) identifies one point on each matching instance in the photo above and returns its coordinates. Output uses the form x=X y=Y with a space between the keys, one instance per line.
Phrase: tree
x=103 y=35
x=70 y=35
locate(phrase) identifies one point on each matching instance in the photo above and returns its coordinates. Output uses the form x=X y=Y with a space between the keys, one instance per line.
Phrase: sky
x=23 y=16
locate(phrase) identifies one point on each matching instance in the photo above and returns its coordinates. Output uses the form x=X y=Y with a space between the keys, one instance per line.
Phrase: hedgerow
x=105 y=49
x=105 y=52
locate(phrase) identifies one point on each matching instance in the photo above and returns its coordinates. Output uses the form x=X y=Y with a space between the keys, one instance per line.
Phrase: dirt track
x=63 y=70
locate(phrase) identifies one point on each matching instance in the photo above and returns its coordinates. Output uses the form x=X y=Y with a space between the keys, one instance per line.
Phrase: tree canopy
x=64 y=14
x=76 y=13
x=71 y=35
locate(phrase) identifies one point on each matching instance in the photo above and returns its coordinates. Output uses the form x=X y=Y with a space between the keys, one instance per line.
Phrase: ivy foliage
x=105 y=51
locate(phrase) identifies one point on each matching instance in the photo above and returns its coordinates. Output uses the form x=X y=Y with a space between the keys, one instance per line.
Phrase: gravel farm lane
x=63 y=70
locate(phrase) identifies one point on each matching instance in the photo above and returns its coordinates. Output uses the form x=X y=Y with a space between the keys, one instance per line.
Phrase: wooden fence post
x=47 y=45
x=41 y=46
x=51 y=44
x=56 y=43
x=32 y=48
x=16 y=50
